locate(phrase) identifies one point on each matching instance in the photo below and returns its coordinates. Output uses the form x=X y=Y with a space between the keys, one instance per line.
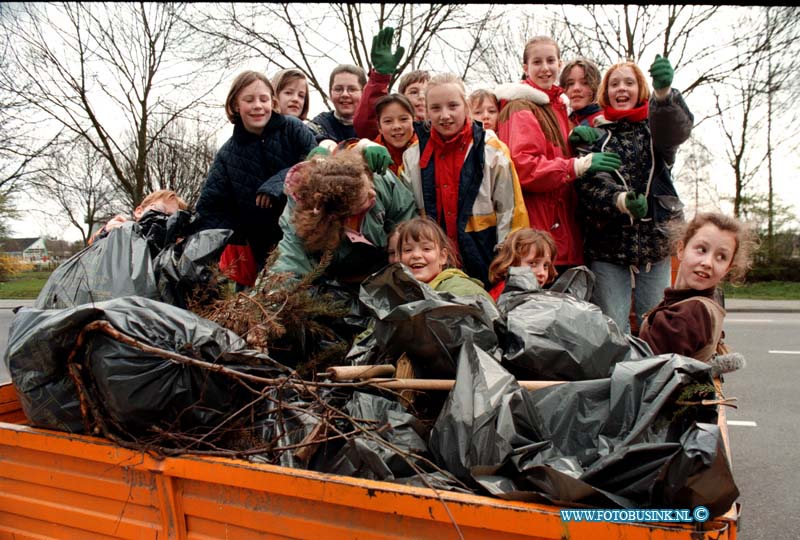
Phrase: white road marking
x=784 y=352
x=746 y=423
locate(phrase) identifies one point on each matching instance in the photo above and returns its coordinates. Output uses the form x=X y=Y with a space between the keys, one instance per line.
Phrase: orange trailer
x=60 y=485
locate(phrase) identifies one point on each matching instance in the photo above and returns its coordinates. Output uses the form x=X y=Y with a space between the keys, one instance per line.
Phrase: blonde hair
x=449 y=78
x=242 y=80
x=516 y=246
x=284 y=78
x=746 y=240
x=163 y=195
x=477 y=97
x=644 y=88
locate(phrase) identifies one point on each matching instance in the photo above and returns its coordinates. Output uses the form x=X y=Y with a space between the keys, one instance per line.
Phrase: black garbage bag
x=118 y=265
x=182 y=269
x=369 y=455
x=621 y=441
x=549 y=335
x=427 y=325
x=577 y=281
x=137 y=259
x=466 y=433
x=137 y=390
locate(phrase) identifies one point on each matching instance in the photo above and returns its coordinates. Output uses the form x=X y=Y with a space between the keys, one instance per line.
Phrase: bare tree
x=77 y=179
x=693 y=171
x=305 y=37
x=100 y=71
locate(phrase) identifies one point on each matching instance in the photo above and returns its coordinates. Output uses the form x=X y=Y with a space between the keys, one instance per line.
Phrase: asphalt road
x=764 y=432
x=766 y=456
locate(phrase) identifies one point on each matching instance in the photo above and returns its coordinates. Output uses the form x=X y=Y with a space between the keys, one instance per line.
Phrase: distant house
x=27 y=249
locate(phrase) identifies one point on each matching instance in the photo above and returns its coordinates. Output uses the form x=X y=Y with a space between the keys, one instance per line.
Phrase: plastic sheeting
x=427 y=325
x=609 y=442
x=551 y=335
x=138 y=389
x=136 y=259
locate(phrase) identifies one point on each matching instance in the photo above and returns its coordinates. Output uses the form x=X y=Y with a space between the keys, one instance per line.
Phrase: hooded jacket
x=647 y=150
x=241 y=167
x=546 y=173
x=490 y=203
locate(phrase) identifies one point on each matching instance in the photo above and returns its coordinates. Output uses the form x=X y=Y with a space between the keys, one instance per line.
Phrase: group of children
x=460 y=188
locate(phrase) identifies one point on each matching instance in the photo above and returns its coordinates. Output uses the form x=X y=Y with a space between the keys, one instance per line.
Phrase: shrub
x=10 y=266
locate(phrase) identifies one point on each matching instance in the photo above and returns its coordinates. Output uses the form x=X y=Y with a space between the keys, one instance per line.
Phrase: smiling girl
x=533 y=123
x=485 y=108
x=580 y=80
x=395 y=127
x=291 y=88
x=689 y=321
x=626 y=214
x=463 y=177
x=427 y=251
x=264 y=145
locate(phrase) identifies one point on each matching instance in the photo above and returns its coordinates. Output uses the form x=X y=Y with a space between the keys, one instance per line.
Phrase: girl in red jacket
x=534 y=125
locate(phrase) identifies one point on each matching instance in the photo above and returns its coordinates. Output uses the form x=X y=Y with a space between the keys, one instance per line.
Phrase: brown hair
x=242 y=80
x=416 y=76
x=348 y=68
x=590 y=72
x=163 y=195
x=425 y=228
x=477 y=97
x=385 y=101
x=287 y=76
x=544 y=114
x=533 y=41
x=746 y=239
x=516 y=246
x=329 y=192
x=644 y=88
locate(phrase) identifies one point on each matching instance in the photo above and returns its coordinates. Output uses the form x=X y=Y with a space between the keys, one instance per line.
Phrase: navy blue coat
x=327 y=126
x=247 y=164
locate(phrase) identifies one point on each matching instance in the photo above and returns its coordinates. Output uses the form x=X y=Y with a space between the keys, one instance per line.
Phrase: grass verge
x=765 y=290
x=24 y=284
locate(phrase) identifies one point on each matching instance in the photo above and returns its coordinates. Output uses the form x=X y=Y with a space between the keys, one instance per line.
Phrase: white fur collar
x=509 y=91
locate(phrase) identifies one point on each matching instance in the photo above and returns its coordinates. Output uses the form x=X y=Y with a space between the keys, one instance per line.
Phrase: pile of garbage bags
x=610 y=433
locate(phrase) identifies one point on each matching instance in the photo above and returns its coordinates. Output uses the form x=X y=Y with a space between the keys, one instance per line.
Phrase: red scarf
x=553 y=94
x=637 y=114
x=396 y=153
x=448 y=159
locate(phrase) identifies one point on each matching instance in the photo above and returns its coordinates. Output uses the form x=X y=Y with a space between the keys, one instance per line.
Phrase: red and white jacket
x=546 y=173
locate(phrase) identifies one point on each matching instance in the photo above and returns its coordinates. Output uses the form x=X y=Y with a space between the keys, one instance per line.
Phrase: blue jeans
x=613 y=286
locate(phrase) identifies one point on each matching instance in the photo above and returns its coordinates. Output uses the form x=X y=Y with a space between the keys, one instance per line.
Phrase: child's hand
x=636 y=204
x=662 y=73
x=263 y=200
x=378 y=158
x=604 y=162
x=381 y=55
x=583 y=134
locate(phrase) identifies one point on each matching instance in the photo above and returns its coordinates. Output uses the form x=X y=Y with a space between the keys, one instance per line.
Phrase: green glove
x=583 y=134
x=378 y=158
x=604 y=162
x=636 y=204
x=381 y=54
x=662 y=73
x=318 y=151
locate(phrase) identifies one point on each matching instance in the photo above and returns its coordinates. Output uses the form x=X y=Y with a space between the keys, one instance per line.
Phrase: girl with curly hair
x=337 y=206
